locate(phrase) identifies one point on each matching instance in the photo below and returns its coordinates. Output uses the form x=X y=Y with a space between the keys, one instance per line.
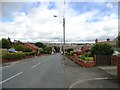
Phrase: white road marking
x=4 y=67
x=11 y=77
x=35 y=65
x=88 y=80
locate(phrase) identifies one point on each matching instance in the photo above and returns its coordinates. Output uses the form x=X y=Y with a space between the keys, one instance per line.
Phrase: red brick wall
x=103 y=60
x=114 y=60
x=118 y=67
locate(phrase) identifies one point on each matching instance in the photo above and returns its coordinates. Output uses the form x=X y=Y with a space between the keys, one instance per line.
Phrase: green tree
x=0 y=43
x=10 y=41
x=19 y=48
x=39 y=44
x=119 y=41
x=57 y=49
x=5 y=43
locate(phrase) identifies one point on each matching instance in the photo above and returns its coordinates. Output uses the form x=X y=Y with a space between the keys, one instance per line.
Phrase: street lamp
x=63 y=34
x=63 y=29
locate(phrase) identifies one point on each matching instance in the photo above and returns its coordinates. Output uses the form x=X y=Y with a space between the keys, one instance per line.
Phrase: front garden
x=99 y=54
x=85 y=59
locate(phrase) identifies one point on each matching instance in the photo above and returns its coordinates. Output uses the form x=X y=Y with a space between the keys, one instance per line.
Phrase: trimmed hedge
x=18 y=55
x=102 y=49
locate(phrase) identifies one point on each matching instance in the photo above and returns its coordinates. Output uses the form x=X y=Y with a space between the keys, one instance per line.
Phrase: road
x=50 y=72
x=41 y=72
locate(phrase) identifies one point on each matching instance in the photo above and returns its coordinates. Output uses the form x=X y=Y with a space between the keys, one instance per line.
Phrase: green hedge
x=102 y=49
x=22 y=48
x=18 y=55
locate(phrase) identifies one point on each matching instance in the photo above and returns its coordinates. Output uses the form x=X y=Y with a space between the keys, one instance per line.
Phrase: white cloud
x=40 y=25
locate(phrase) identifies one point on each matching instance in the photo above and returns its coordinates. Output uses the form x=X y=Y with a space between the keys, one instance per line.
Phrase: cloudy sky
x=34 y=21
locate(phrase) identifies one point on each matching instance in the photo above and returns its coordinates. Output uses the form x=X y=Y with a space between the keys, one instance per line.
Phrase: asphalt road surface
x=50 y=72
x=41 y=72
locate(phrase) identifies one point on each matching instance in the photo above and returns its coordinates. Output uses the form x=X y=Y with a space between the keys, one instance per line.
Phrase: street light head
x=55 y=15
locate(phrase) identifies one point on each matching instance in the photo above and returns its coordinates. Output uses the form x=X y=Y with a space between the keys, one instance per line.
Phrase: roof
x=32 y=45
x=86 y=47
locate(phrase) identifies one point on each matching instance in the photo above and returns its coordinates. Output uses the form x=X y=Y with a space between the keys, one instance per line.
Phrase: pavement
x=52 y=72
x=92 y=77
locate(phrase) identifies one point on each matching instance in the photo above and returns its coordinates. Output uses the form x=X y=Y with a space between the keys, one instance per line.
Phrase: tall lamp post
x=63 y=29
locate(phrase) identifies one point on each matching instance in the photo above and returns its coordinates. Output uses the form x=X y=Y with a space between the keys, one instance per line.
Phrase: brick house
x=86 y=47
x=32 y=46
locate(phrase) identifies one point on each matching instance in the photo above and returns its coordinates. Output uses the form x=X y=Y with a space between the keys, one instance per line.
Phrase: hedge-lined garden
x=16 y=55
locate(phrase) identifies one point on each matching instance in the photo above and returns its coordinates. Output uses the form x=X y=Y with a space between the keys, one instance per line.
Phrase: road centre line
x=35 y=65
x=11 y=77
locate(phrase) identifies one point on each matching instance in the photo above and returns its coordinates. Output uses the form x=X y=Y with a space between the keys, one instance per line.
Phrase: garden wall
x=82 y=62
x=118 y=67
x=103 y=60
x=114 y=60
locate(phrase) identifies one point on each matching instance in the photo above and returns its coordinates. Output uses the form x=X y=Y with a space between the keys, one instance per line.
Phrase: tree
x=0 y=43
x=119 y=41
x=39 y=44
x=57 y=49
x=5 y=43
x=10 y=40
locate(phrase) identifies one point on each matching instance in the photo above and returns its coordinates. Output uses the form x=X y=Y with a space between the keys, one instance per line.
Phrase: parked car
x=12 y=50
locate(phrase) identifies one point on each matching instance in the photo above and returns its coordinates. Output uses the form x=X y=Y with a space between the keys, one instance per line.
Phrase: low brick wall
x=114 y=60
x=103 y=60
x=118 y=67
x=82 y=62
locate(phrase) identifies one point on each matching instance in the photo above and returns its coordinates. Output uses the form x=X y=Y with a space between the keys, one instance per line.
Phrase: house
x=32 y=46
x=113 y=42
x=86 y=47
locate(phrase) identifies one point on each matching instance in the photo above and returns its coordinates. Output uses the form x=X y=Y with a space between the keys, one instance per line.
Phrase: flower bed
x=82 y=62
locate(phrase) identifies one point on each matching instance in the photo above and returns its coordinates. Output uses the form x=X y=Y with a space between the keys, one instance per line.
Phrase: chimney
x=108 y=40
x=96 y=41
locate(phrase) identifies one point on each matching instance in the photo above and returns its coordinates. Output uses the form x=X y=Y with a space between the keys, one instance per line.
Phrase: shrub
x=88 y=58
x=17 y=55
x=47 y=50
x=81 y=57
x=89 y=54
x=19 y=48
x=22 y=48
x=71 y=53
x=27 y=50
x=68 y=50
x=102 y=49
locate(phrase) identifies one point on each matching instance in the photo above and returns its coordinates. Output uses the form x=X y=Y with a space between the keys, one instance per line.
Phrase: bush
x=88 y=58
x=102 y=49
x=22 y=48
x=17 y=55
x=68 y=50
x=89 y=54
x=71 y=53
x=19 y=48
x=27 y=50
x=81 y=57
x=47 y=50
x=30 y=53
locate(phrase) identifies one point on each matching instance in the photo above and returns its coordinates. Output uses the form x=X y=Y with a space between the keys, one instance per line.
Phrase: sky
x=35 y=21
